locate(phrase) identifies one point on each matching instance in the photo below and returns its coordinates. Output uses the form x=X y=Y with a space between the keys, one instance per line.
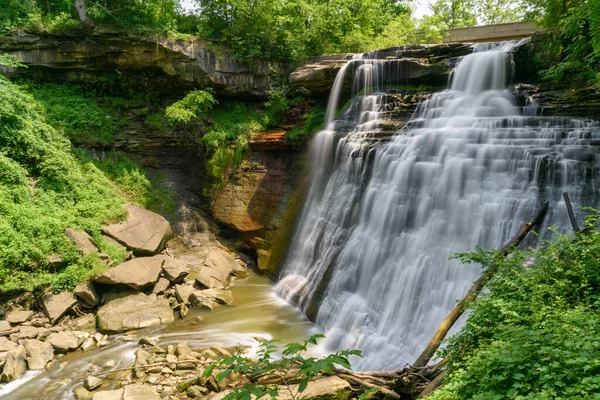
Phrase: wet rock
x=137 y=273
x=175 y=270
x=38 y=353
x=134 y=312
x=161 y=286
x=209 y=298
x=82 y=393
x=140 y=392
x=57 y=305
x=144 y=232
x=6 y=345
x=63 y=341
x=92 y=382
x=86 y=292
x=15 y=365
x=88 y=344
x=182 y=349
x=19 y=316
x=148 y=341
x=215 y=353
x=109 y=395
x=82 y=241
x=217 y=268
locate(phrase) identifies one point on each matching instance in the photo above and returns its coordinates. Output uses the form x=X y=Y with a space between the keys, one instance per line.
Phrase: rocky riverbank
x=159 y=282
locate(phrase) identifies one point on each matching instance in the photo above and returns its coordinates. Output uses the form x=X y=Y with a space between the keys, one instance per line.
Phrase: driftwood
x=473 y=292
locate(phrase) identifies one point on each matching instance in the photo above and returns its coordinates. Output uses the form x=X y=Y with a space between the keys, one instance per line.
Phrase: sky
x=421 y=7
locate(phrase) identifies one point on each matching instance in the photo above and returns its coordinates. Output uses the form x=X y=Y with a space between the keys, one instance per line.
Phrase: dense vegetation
x=46 y=186
x=536 y=333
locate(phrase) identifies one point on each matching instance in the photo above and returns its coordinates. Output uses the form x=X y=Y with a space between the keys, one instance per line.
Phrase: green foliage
x=193 y=108
x=41 y=177
x=68 y=109
x=71 y=276
x=313 y=122
x=278 y=104
x=132 y=183
x=293 y=361
x=577 y=44
x=155 y=121
x=535 y=334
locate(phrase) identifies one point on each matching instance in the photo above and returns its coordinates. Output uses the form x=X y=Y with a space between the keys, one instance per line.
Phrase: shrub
x=535 y=334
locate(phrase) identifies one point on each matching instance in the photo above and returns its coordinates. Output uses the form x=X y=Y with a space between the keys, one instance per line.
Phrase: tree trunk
x=80 y=6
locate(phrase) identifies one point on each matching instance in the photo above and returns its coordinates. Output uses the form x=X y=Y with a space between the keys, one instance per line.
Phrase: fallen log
x=473 y=292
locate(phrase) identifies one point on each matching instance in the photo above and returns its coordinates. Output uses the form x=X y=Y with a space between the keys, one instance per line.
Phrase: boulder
x=330 y=388
x=82 y=393
x=144 y=232
x=27 y=332
x=56 y=305
x=4 y=326
x=162 y=285
x=38 y=353
x=86 y=292
x=183 y=292
x=175 y=270
x=6 y=345
x=137 y=273
x=140 y=392
x=109 y=395
x=134 y=312
x=82 y=241
x=209 y=298
x=92 y=382
x=15 y=365
x=63 y=341
x=19 y=316
x=216 y=269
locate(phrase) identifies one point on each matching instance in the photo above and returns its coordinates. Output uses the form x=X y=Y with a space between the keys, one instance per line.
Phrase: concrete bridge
x=491 y=33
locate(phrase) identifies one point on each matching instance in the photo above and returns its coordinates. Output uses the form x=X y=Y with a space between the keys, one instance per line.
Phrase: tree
x=500 y=11
x=454 y=13
x=80 y=7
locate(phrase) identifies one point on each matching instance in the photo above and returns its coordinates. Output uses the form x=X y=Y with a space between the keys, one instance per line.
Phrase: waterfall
x=369 y=260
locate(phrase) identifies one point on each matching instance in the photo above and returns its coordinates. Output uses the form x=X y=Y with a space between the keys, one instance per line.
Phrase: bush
x=77 y=116
x=313 y=122
x=535 y=334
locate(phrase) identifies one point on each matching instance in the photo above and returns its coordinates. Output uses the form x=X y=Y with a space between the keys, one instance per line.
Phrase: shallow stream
x=256 y=313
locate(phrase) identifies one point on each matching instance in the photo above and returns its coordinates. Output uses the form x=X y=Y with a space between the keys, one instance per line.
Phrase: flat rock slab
x=209 y=298
x=38 y=353
x=19 y=316
x=109 y=395
x=56 y=305
x=4 y=326
x=63 y=341
x=137 y=273
x=15 y=365
x=140 y=392
x=174 y=269
x=216 y=269
x=86 y=292
x=330 y=388
x=134 y=312
x=82 y=241
x=144 y=232
x=6 y=345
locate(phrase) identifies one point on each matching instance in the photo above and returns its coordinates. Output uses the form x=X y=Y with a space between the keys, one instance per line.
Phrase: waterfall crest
x=370 y=256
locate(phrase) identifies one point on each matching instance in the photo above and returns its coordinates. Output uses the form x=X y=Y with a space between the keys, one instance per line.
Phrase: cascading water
x=370 y=255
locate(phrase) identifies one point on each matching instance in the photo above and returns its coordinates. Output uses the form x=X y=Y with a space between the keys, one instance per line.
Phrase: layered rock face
x=166 y=65
x=260 y=199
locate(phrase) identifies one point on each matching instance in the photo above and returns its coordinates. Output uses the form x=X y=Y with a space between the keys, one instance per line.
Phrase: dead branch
x=472 y=294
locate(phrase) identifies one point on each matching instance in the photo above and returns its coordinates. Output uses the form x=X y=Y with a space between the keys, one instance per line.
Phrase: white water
x=370 y=255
